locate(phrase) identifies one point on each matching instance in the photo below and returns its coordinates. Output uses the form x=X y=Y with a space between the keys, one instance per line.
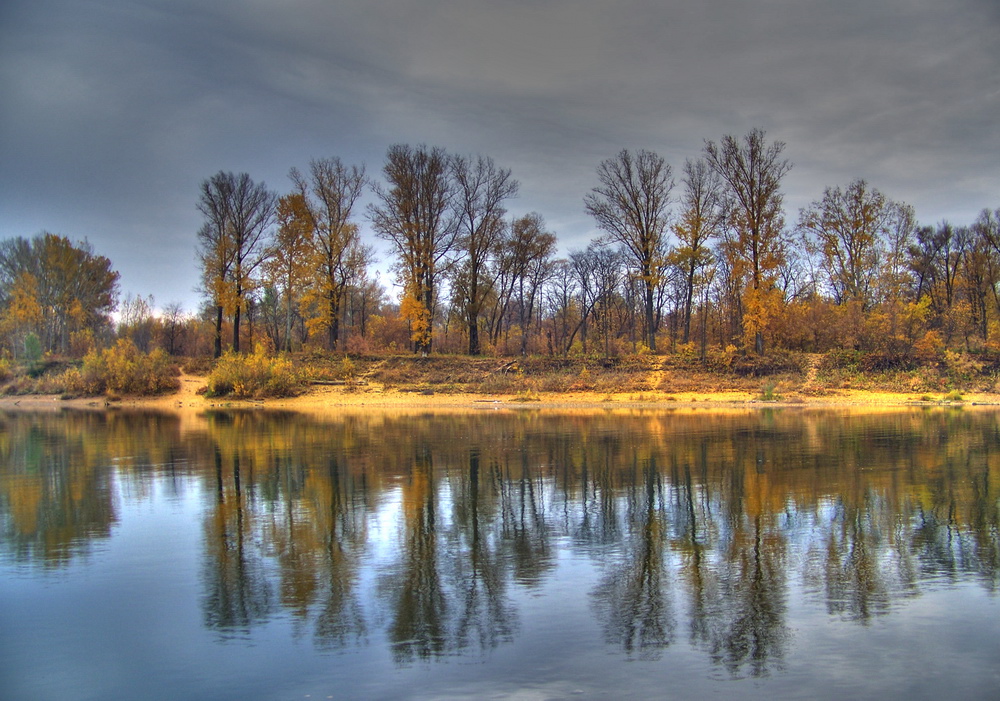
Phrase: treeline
x=696 y=259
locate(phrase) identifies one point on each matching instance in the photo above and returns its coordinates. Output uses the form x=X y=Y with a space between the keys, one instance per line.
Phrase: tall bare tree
x=329 y=195
x=233 y=241
x=700 y=222
x=482 y=189
x=754 y=238
x=598 y=273
x=528 y=257
x=632 y=207
x=851 y=228
x=414 y=213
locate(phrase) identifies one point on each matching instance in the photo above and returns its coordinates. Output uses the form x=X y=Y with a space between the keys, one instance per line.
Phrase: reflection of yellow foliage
x=25 y=495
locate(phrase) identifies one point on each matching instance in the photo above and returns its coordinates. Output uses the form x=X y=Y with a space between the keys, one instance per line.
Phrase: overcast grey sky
x=113 y=111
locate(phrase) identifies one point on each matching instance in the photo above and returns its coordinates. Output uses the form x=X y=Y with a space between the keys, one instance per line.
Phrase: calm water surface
x=500 y=554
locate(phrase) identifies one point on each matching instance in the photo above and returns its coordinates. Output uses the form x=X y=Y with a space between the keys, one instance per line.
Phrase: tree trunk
x=218 y=331
x=688 y=303
x=424 y=347
x=288 y=321
x=334 y=328
x=474 y=347
x=236 y=329
x=649 y=294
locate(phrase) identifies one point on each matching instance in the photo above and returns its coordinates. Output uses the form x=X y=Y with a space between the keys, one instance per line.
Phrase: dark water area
x=500 y=554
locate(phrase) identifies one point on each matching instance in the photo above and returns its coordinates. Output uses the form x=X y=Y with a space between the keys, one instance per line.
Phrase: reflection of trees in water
x=631 y=600
x=861 y=564
x=339 y=519
x=751 y=631
x=418 y=607
x=524 y=527
x=237 y=588
x=57 y=488
x=692 y=539
x=486 y=616
x=699 y=521
x=449 y=589
x=952 y=537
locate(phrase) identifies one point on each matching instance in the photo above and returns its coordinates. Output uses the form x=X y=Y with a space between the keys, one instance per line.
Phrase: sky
x=112 y=112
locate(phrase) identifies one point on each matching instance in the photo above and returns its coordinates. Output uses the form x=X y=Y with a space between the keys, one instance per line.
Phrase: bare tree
x=238 y=214
x=329 y=195
x=415 y=215
x=172 y=328
x=136 y=320
x=482 y=188
x=528 y=256
x=598 y=274
x=753 y=237
x=560 y=298
x=700 y=222
x=851 y=228
x=632 y=207
x=987 y=229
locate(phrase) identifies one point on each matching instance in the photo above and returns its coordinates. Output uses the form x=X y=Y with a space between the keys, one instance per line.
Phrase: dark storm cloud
x=114 y=111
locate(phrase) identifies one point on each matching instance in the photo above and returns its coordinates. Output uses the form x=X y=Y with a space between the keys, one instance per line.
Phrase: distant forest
x=689 y=260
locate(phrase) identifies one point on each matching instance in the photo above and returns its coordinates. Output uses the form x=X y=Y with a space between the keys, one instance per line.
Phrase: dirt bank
x=327 y=396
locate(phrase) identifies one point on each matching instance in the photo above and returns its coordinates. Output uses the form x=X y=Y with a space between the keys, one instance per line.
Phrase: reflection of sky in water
x=544 y=588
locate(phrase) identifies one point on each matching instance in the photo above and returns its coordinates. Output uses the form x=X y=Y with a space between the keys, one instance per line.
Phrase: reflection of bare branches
x=525 y=527
x=598 y=513
x=418 y=629
x=340 y=523
x=238 y=593
x=449 y=591
x=631 y=600
x=753 y=632
x=855 y=577
x=692 y=520
x=487 y=616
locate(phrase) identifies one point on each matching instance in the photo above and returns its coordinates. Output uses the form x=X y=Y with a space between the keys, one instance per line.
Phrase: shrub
x=122 y=369
x=769 y=392
x=254 y=376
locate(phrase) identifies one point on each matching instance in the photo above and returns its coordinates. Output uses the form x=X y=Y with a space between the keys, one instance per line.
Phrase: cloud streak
x=114 y=111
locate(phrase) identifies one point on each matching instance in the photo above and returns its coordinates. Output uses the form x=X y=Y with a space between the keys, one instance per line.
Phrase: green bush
x=254 y=376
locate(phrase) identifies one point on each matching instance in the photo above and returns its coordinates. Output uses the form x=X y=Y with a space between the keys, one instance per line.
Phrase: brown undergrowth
x=680 y=376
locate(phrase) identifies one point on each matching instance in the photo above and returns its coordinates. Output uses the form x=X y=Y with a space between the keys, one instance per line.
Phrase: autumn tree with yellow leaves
x=414 y=214
x=327 y=197
x=753 y=239
x=55 y=290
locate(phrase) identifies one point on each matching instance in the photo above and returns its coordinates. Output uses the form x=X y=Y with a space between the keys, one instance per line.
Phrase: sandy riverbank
x=322 y=398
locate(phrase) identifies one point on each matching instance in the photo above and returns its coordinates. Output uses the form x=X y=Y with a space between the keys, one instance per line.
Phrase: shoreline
x=327 y=398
